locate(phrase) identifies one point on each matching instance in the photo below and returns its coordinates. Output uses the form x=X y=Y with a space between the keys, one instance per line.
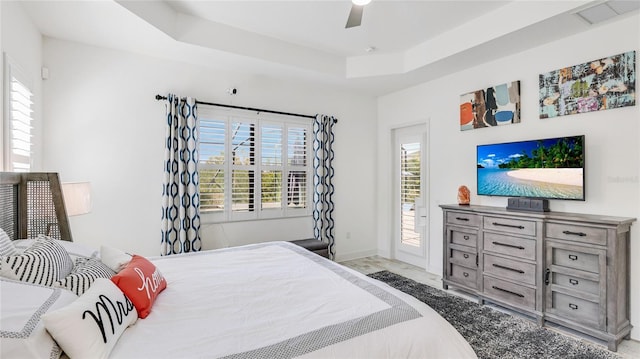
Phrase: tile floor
x=627 y=349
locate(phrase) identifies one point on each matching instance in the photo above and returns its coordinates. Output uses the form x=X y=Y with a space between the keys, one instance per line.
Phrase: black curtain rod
x=160 y=97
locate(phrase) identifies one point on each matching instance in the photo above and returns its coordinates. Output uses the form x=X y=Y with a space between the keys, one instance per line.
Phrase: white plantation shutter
x=211 y=164
x=409 y=190
x=297 y=161
x=271 y=139
x=243 y=166
x=271 y=189
x=19 y=124
x=252 y=167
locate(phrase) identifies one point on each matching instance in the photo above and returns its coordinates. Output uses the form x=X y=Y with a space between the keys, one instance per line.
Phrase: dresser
x=565 y=268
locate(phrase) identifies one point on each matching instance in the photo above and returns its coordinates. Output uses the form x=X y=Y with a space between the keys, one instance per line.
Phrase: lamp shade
x=77 y=197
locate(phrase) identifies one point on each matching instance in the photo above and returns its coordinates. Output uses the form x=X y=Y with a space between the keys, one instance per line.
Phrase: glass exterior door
x=410 y=200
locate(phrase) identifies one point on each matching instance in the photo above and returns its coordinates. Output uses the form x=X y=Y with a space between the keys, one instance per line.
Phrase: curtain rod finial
x=159 y=97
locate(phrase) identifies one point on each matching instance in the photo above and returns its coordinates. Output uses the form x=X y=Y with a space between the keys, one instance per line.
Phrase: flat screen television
x=551 y=168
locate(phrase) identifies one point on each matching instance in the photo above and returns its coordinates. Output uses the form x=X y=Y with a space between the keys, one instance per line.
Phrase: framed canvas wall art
x=493 y=106
x=596 y=85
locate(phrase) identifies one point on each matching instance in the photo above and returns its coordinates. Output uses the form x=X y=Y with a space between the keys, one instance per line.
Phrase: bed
x=269 y=300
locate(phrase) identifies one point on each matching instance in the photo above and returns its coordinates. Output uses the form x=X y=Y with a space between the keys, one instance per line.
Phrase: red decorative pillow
x=141 y=282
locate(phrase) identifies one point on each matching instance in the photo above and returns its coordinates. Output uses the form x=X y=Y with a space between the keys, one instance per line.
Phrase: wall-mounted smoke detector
x=607 y=10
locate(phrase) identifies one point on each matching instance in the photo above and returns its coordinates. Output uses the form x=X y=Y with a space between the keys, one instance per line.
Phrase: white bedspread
x=279 y=300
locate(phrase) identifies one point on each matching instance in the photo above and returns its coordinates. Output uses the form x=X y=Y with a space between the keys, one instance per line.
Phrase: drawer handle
x=466 y=256
x=465 y=274
x=580 y=234
x=466 y=238
x=508 y=245
x=507 y=268
x=462 y=219
x=547 y=272
x=573 y=257
x=507 y=225
x=573 y=281
x=507 y=291
x=573 y=306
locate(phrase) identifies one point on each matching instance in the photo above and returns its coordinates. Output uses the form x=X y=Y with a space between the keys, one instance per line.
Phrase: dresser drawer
x=576 y=258
x=463 y=275
x=576 y=283
x=508 y=225
x=518 y=271
x=464 y=219
x=462 y=258
x=511 y=293
x=576 y=309
x=577 y=233
x=464 y=238
x=513 y=246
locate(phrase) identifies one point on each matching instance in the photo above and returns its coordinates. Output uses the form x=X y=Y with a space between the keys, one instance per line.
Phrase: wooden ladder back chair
x=31 y=204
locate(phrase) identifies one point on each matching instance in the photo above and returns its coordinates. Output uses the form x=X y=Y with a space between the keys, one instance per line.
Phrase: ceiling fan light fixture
x=355 y=15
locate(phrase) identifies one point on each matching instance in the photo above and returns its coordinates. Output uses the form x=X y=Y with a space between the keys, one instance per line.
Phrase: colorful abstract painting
x=593 y=86
x=494 y=106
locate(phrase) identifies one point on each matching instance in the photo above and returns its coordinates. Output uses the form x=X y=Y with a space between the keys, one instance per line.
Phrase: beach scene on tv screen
x=549 y=168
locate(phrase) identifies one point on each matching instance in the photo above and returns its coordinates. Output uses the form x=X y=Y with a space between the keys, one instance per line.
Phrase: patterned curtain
x=180 y=193
x=323 y=180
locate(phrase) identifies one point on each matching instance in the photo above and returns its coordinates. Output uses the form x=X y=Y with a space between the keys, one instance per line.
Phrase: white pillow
x=84 y=273
x=44 y=263
x=74 y=249
x=114 y=258
x=91 y=326
x=6 y=245
x=22 y=332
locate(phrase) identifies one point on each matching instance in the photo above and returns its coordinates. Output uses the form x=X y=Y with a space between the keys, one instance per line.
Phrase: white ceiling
x=390 y=26
x=305 y=40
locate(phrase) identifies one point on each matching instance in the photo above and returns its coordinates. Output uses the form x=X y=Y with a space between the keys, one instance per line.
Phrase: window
x=253 y=167
x=18 y=121
x=409 y=191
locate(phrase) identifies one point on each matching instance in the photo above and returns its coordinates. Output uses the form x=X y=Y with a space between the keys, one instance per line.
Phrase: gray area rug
x=494 y=334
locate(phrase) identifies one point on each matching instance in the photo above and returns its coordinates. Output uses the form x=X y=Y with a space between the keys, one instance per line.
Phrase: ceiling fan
x=355 y=15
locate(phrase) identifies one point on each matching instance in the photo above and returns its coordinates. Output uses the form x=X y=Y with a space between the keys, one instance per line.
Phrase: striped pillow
x=44 y=263
x=84 y=273
x=6 y=245
x=74 y=249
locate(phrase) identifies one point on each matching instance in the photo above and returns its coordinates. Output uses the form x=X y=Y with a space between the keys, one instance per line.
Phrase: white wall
x=612 y=150
x=22 y=42
x=1 y=95
x=103 y=125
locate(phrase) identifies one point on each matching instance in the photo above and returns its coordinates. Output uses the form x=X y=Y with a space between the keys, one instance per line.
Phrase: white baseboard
x=343 y=257
x=384 y=253
x=435 y=270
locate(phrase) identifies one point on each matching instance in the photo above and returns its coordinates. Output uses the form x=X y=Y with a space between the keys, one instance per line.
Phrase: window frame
x=259 y=120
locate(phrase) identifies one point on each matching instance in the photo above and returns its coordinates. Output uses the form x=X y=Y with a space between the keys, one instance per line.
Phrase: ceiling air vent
x=607 y=10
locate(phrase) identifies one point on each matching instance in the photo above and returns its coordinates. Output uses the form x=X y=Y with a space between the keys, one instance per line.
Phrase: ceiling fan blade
x=355 y=16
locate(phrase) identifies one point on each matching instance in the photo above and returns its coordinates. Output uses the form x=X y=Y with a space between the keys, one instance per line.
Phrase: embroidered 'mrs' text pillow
x=91 y=325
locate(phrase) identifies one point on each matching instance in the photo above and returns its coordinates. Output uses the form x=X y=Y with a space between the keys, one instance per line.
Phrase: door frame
x=418 y=257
